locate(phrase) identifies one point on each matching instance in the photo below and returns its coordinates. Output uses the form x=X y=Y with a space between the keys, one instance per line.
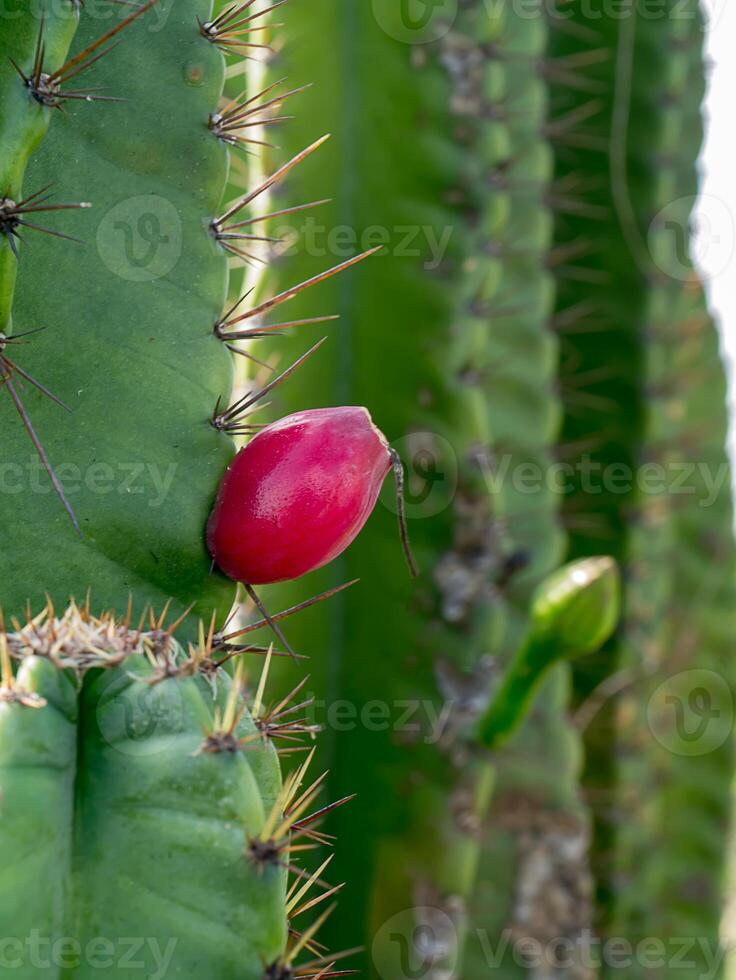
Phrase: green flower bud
x=578 y=606
x=574 y=611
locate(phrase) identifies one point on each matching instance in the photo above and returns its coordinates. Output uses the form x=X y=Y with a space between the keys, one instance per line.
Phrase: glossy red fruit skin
x=297 y=495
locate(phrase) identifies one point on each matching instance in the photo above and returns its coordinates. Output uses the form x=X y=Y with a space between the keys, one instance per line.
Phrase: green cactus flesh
x=127 y=317
x=149 y=812
x=24 y=120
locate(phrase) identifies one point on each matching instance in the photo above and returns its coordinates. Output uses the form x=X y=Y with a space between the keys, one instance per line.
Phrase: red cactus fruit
x=299 y=493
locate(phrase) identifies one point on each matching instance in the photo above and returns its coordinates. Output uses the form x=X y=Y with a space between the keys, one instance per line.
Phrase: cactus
x=628 y=360
x=141 y=793
x=521 y=172
x=151 y=821
x=459 y=370
x=139 y=490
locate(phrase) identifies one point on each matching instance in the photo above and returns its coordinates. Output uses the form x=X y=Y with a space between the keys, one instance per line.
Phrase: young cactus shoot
x=574 y=612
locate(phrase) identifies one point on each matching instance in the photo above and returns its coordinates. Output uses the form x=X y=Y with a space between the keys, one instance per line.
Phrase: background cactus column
x=630 y=327
x=673 y=792
x=399 y=655
x=458 y=365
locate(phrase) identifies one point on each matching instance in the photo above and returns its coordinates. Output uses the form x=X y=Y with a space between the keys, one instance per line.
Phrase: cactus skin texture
x=146 y=818
x=645 y=356
x=127 y=316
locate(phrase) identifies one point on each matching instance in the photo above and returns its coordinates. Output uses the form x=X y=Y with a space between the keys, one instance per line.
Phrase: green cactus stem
x=629 y=368
x=152 y=809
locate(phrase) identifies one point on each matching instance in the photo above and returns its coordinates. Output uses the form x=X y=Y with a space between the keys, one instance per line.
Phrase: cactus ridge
x=601 y=360
x=422 y=186
x=141 y=320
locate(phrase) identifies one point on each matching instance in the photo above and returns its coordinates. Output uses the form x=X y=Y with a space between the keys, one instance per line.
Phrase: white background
x=716 y=213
